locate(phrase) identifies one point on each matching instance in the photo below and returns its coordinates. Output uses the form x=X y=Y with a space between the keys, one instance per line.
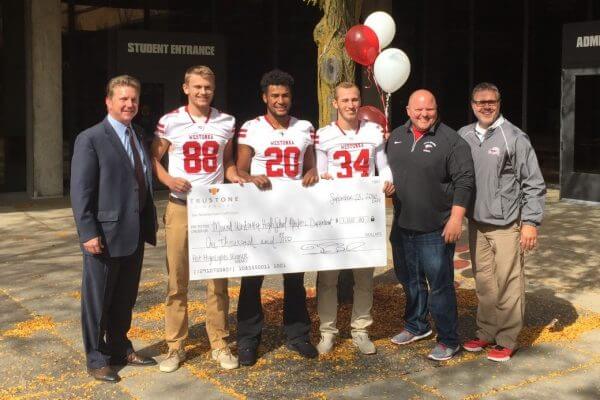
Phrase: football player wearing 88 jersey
x=349 y=148
x=196 y=145
x=197 y=139
x=276 y=146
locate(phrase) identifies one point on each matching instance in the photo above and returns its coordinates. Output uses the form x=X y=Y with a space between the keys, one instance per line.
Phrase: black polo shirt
x=430 y=174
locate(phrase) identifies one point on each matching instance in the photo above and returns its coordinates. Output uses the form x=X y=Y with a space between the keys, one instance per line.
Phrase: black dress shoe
x=305 y=349
x=104 y=374
x=247 y=356
x=139 y=361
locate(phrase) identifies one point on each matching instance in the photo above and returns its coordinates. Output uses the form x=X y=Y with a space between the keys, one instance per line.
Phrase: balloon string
x=386 y=111
x=377 y=87
x=384 y=97
x=383 y=103
x=369 y=77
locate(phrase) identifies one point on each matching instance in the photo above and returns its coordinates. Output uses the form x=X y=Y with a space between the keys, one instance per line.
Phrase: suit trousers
x=498 y=267
x=362 y=300
x=176 y=304
x=108 y=293
x=296 y=322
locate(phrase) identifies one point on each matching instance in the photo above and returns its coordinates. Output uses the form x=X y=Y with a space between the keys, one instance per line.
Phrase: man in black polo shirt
x=434 y=179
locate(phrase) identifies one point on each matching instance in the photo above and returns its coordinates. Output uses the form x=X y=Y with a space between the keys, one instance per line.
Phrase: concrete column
x=44 y=98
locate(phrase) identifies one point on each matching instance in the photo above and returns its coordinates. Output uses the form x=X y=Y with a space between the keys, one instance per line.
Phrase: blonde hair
x=201 y=70
x=122 y=80
x=344 y=85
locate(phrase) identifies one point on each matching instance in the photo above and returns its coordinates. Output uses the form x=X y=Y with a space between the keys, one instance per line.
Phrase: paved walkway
x=41 y=350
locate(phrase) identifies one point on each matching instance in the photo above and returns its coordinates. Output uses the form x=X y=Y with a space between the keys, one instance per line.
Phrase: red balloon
x=373 y=114
x=362 y=44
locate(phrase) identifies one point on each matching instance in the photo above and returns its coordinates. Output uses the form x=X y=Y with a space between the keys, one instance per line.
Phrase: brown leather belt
x=177 y=201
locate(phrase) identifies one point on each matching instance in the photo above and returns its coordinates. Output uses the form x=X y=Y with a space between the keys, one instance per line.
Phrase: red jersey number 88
x=200 y=157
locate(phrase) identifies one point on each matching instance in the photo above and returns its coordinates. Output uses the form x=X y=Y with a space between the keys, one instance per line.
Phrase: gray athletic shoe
x=173 y=361
x=364 y=344
x=405 y=337
x=225 y=359
x=326 y=344
x=441 y=352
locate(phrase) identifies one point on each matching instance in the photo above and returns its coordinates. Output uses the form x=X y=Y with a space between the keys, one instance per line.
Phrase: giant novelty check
x=241 y=231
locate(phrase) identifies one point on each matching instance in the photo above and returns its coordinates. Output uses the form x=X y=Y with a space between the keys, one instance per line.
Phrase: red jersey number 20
x=200 y=157
x=283 y=161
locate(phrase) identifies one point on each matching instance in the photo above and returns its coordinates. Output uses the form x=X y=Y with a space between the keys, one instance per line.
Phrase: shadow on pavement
x=543 y=310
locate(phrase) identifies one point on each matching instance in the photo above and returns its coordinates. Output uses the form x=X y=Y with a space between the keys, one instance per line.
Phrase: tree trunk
x=333 y=64
x=333 y=67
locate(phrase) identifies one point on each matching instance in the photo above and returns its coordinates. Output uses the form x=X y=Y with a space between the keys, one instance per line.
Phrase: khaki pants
x=176 y=305
x=498 y=267
x=327 y=305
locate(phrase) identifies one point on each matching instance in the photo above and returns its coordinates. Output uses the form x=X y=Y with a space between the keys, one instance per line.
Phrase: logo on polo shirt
x=428 y=146
x=494 y=151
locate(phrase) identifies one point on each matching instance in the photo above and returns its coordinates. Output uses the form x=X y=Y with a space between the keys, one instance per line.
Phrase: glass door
x=580 y=135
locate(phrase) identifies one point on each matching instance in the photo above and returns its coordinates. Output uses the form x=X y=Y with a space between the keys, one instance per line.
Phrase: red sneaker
x=475 y=345
x=499 y=353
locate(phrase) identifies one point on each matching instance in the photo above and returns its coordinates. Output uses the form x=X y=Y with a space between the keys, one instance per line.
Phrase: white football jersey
x=347 y=154
x=197 y=145
x=278 y=153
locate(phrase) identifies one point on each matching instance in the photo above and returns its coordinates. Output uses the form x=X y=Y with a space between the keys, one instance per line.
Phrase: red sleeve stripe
x=241 y=134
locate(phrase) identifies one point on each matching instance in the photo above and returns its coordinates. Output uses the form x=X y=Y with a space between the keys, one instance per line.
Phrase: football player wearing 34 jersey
x=349 y=148
x=275 y=146
x=197 y=138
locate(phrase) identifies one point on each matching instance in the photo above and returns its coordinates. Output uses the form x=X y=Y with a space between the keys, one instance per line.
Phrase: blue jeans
x=421 y=259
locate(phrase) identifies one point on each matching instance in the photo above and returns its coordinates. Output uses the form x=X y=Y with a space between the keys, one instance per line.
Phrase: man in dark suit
x=111 y=196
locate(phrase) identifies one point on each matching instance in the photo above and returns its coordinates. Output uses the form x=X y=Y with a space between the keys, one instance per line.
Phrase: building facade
x=56 y=57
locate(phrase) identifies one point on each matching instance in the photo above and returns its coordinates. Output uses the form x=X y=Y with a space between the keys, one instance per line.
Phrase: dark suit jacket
x=104 y=193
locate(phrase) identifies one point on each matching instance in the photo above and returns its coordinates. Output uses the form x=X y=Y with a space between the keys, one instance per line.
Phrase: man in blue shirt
x=111 y=197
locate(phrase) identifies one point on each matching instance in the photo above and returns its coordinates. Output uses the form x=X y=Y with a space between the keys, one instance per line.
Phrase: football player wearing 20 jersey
x=275 y=146
x=197 y=138
x=349 y=148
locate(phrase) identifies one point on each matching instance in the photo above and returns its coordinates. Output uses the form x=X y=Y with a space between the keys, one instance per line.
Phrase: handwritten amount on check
x=324 y=246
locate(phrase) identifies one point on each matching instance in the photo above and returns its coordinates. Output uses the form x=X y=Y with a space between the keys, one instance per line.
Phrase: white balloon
x=391 y=69
x=383 y=25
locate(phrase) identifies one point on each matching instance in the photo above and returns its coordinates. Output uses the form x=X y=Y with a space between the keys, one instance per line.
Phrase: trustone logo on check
x=213 y=199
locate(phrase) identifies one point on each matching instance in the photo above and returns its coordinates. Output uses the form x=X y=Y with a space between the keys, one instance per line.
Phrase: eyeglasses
x=485 y=103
